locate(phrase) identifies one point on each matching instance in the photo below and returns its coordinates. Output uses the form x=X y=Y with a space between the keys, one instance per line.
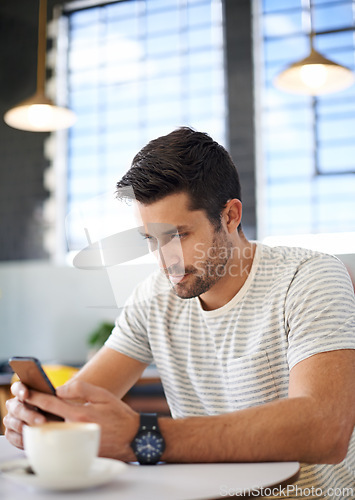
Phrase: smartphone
x=31 y=373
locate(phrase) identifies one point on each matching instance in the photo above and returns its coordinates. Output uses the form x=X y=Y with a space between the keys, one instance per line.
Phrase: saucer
x=102 y=471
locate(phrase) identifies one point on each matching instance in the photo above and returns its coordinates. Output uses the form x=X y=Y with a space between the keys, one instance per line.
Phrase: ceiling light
x=315 y=74
x=39 y=113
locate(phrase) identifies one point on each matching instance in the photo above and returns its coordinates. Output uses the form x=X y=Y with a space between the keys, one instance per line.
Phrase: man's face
x=190 y=251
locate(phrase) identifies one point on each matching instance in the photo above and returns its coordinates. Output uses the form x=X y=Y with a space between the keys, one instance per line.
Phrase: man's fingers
x=82 y=391
x=19 y=414
x=23 y=413
x=19 y=390
x=50 y=404
x=12 y=424
x=65 y=404
x=14 y=438
x=71 y=402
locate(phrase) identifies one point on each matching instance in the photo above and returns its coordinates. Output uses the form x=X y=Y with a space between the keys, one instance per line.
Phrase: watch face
x=149 y=447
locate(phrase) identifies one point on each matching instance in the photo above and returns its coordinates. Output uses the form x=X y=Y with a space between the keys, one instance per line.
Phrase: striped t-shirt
x=295 y=303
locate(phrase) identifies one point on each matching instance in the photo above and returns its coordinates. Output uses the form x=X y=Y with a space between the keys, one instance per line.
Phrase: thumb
x=83 y=392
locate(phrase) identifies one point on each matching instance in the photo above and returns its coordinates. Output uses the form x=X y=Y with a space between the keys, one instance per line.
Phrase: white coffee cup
x=58 y=449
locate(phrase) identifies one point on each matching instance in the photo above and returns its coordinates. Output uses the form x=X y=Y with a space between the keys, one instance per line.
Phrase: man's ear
x=232 y=214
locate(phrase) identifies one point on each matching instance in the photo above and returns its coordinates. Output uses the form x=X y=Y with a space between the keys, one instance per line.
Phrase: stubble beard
x=201 y=280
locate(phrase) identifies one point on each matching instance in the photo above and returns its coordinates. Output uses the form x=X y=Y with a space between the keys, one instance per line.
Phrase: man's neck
x=237 y=272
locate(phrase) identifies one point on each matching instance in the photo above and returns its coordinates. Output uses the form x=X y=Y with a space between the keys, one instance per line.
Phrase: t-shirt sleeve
x=129 y=335
x=319 y=309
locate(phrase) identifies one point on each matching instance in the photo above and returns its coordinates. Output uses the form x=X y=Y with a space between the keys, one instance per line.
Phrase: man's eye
x=179 y=235
x=152 y=243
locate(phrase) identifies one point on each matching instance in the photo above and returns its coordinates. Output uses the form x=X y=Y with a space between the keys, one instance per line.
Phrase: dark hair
x=184 y=161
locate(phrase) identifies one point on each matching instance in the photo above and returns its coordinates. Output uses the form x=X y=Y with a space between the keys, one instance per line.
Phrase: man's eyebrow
x=177 y=229
x=173 y=230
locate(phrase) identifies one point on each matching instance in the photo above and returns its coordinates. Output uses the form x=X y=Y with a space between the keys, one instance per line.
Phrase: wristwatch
x=148 y=444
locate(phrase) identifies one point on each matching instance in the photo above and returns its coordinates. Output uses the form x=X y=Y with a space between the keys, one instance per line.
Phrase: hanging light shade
x=39 y=113
x=314 y=75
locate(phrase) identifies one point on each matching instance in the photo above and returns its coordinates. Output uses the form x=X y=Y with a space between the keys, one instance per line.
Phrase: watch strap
x=149 y=422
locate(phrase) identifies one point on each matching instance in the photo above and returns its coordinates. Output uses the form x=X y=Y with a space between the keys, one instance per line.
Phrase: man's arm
x=111 y=370
x=313 y=425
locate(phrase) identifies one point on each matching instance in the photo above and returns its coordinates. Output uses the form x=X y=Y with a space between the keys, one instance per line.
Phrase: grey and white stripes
x=294 y=304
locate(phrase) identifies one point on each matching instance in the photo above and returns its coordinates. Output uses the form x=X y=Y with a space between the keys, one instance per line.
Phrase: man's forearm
x=99 y=371
x=286 y=430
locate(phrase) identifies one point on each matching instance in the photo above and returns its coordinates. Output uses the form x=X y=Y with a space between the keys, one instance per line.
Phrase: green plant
x=99 y=336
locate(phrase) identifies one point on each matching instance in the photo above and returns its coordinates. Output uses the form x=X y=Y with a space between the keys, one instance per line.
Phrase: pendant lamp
x=39 y=113
x=315 y=74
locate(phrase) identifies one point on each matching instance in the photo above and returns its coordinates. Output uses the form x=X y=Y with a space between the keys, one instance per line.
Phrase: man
x=255 y=346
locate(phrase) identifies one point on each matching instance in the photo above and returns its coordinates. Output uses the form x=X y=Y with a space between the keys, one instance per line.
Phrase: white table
x=163 y=482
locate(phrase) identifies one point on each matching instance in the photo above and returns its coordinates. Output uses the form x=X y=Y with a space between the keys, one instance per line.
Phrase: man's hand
x=19 y=414
x=119 y=423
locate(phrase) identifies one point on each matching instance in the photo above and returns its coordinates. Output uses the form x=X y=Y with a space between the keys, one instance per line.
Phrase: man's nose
x=169 y=255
